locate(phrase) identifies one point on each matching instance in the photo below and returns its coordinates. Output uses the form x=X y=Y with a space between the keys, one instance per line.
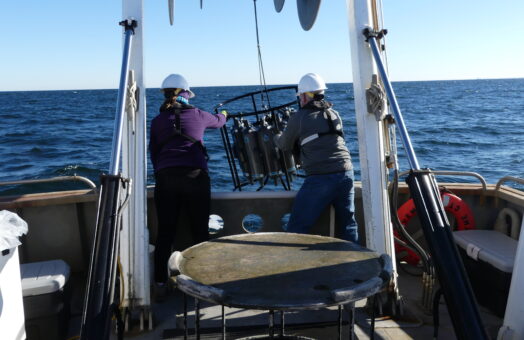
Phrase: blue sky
x=61 y=44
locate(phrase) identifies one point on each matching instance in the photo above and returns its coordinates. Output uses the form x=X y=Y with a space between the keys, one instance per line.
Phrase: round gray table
x=279 y=271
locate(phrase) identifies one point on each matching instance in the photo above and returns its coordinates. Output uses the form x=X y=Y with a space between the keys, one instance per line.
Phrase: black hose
x=398 y=225
x=404 y=244
x=99 y=300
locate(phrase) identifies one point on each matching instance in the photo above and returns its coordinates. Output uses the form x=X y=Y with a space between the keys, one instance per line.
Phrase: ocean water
x=468 y=125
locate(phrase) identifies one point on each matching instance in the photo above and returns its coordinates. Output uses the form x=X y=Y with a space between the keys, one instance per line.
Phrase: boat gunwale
x=503 y=192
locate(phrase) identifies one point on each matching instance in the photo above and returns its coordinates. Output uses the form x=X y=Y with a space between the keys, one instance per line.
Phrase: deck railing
x=52 y=179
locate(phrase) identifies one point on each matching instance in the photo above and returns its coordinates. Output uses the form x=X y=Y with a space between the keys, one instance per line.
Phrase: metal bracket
x=128 y=24
x=370 y=33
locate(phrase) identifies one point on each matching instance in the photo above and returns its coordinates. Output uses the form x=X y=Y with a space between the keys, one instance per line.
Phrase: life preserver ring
x=452 y=204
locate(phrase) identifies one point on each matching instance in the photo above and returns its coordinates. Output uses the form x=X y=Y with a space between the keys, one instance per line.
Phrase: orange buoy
x=452 y=204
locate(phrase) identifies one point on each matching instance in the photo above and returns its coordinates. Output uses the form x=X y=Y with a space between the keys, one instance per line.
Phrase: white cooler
x=488 y=258
x=46 y=308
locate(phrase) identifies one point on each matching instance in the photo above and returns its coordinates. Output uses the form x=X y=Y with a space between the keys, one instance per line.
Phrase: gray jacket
x=323 y=155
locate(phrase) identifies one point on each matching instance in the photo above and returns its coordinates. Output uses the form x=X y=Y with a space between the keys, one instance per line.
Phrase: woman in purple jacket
x=180 y=163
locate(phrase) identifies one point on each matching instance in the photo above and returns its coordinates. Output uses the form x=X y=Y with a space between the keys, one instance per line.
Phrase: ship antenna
x=260 y=63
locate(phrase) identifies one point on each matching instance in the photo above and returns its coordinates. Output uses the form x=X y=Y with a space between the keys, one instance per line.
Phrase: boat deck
x=416 y=323
x=77 y=213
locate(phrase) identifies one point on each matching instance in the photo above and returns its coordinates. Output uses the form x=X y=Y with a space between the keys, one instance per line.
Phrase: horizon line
x=281 y=84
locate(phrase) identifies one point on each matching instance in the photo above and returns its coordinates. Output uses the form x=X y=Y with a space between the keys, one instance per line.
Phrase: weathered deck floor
x=316 y=324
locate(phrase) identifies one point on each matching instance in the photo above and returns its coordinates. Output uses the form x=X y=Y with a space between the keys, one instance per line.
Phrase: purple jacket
x=179 y=151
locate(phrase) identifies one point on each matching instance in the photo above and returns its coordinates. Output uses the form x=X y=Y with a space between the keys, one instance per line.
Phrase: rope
x=131 y=102
x=122 y=283
x=378 y=23
x=376 y=98
x=262 y=76
x=131 y=97
x=375 y=10
x=384 y=37
x=374 y=13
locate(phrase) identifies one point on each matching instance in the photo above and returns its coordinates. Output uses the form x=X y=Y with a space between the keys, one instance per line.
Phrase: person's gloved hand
x=224 y=112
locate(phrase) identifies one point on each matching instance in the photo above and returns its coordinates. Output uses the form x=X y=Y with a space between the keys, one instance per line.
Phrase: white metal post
x=134 y=238
x=379 y=232
x=513 y=326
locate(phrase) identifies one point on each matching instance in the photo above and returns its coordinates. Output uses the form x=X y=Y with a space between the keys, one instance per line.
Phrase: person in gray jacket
x=317 y=128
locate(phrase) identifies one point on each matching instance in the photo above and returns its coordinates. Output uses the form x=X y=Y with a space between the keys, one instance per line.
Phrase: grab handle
x=456 y=173
x=53 y=179
x=508 y=179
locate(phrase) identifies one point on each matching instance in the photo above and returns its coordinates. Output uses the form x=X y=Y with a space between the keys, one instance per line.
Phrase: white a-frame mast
x=513 y=327
x=134 y=238
x=379 y=233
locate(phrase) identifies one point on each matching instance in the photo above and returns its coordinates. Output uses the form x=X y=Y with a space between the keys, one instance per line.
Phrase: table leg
x=185 y=317
x=351 y=320
x=282 y=324
x=223 y=323
x=197 y=318
x=339 y=322
x=271 y=324
x=373 y=307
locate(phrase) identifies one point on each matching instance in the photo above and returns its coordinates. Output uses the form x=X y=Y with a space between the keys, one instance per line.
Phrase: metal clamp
x=129 y=24
x=370 y=33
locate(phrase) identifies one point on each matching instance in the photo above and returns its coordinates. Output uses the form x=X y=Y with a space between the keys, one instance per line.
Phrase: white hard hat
x=177 y=81
x=311 y=82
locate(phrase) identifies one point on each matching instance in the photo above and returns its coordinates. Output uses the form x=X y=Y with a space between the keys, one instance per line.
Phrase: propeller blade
x=307 y=12
x=278 y=5
x=171 y=5
x=201 y=3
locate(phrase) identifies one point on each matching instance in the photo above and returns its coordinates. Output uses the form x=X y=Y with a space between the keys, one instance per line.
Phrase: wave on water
x=474 y=125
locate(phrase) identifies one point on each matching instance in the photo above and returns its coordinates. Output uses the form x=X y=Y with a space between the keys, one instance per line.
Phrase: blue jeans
x=319 y=191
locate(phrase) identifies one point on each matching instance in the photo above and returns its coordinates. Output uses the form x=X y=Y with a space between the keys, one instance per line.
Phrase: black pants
x=175 y=194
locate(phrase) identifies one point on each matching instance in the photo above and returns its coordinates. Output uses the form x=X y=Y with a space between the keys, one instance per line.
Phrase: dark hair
x=170 y=96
